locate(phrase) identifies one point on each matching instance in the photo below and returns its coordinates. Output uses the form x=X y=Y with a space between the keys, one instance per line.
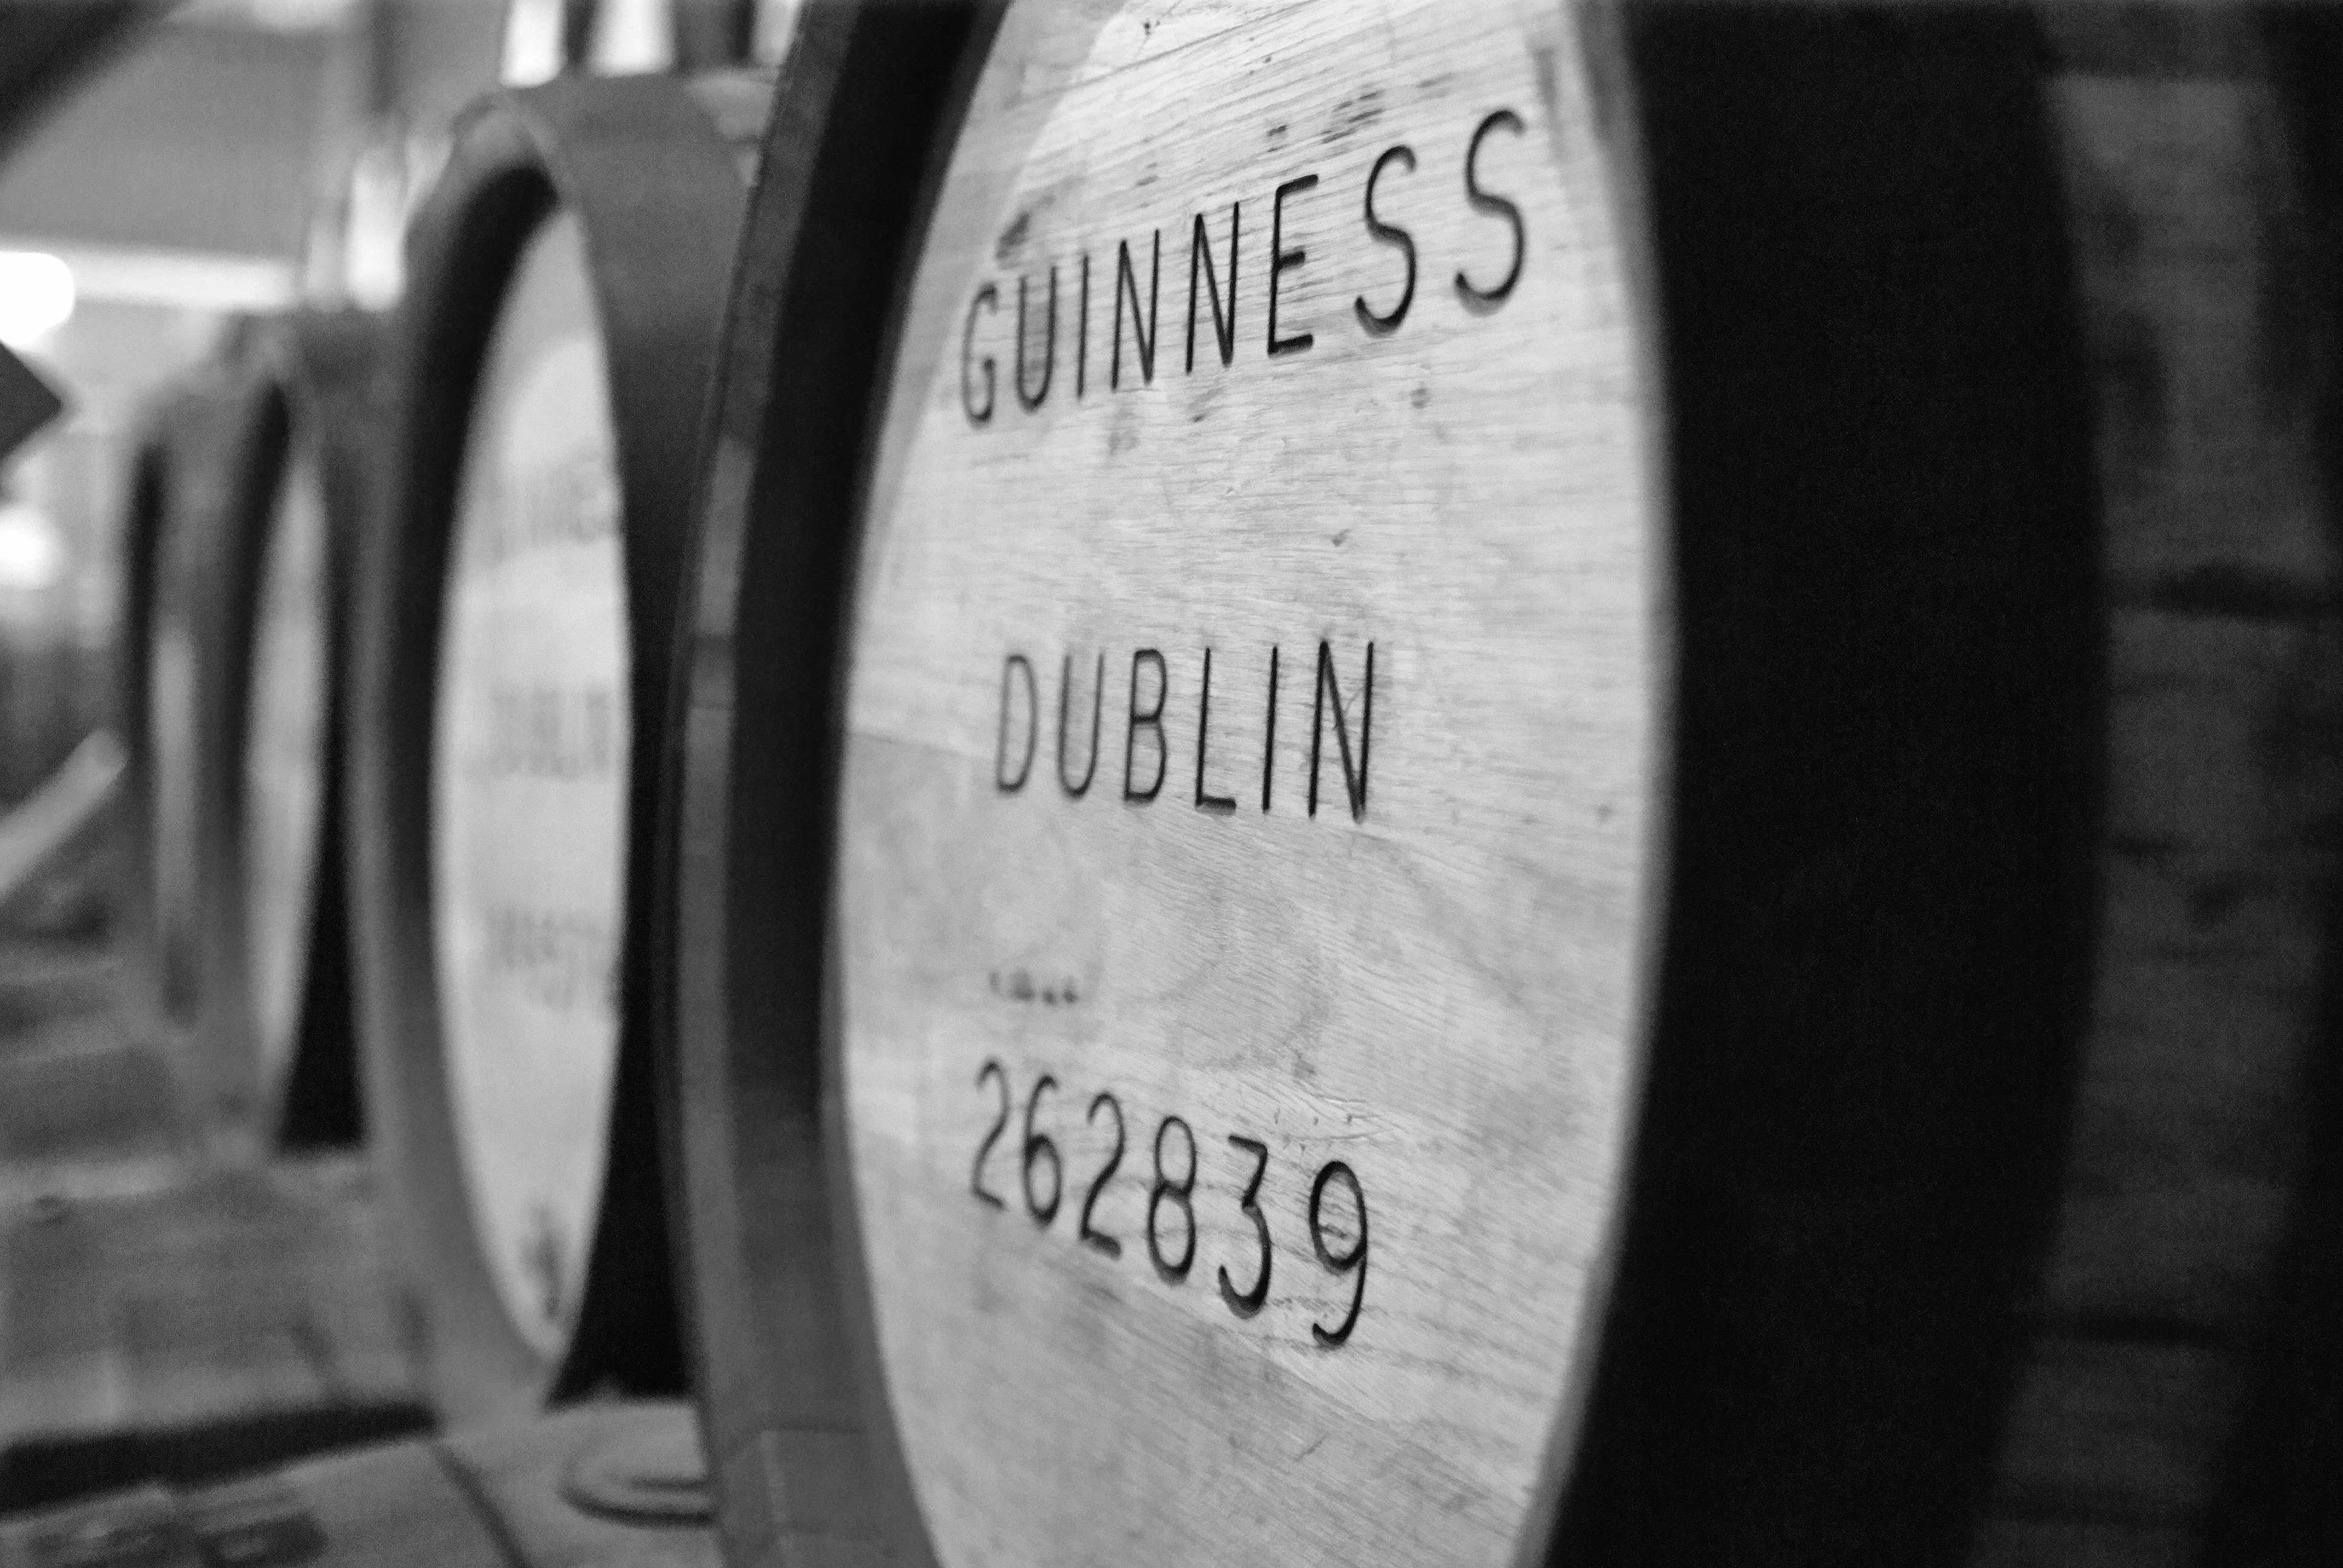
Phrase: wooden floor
x=154 y=1290
x=199 y=1364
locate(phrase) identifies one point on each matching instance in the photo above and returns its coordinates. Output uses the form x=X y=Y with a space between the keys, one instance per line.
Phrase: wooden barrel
x=566 y=285
x=311 y=401
x=245 y=498
x=1442 y=906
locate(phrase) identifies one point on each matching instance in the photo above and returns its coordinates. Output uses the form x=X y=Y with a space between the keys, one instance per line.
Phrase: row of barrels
x=1362 y=782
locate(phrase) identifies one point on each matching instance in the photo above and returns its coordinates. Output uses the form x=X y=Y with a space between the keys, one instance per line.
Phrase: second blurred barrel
x=246 y=498
x=568 y=284
x=284 y=931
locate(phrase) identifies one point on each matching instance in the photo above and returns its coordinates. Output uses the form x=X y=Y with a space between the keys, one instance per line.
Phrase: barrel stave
x=2214 y=350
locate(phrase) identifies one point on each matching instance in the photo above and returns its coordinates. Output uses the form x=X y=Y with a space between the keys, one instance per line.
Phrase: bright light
x=32 y=557
x=633 y=38
x=36 y=296
x=532 y=43
x=373 y=259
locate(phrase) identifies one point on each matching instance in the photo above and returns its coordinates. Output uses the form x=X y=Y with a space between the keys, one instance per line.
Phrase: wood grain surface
x=1250 y=789
x=529 y=787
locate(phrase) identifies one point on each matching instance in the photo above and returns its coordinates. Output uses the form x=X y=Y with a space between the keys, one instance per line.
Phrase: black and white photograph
x=1171 y=783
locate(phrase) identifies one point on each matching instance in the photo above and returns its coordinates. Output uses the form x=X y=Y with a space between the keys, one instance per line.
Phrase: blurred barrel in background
x=245 y=499
x=567 y=282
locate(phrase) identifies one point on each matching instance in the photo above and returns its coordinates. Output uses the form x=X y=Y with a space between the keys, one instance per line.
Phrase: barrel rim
x=637 y=162
x=870 y=97
x=313 y=375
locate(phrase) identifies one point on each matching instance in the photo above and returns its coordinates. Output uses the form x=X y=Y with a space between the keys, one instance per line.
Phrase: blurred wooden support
x=63 y=814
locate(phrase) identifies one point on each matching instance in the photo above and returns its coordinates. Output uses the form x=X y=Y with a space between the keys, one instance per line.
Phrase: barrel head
x=1251 y=799
x=529 y=787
